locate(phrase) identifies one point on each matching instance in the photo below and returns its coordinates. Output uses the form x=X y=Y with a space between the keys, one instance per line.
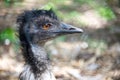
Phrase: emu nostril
x=72 y=29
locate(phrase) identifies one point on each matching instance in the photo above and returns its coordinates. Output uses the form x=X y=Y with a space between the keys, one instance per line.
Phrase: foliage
x=84 y=1
x=48 y=6
x=10 y=2
x=8 y=33
x=106 y=13
x=70 y=13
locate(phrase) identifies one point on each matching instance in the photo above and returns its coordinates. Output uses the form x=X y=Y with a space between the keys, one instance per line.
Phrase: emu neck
x=37 y=64
x=36 y=57
x=38 y=50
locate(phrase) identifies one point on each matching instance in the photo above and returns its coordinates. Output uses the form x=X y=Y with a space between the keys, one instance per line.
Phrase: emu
x=36 y=27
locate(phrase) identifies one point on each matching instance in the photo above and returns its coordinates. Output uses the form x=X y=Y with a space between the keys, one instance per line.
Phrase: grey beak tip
x=81 y=30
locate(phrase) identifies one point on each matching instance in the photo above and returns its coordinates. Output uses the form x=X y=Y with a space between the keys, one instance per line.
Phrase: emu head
x=37 y=26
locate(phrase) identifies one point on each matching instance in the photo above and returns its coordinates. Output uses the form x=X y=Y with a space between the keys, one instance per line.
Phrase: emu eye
x=47 y=26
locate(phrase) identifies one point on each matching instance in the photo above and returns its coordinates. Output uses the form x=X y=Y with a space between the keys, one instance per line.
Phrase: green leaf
x=48 y=6
x=8 y=33
x=106 y=13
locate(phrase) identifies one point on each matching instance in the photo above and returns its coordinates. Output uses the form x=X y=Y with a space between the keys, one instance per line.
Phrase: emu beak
x=68 y=29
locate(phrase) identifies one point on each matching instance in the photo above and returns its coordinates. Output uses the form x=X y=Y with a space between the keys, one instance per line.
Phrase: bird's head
x=41 y=25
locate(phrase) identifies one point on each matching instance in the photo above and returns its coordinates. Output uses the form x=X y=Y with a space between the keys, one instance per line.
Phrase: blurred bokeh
x=92 y=55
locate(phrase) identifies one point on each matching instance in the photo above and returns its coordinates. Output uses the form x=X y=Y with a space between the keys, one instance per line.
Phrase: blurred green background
x=94 y=53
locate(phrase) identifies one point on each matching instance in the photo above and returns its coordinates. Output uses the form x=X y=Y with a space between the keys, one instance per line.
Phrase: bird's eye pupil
x=46 y=26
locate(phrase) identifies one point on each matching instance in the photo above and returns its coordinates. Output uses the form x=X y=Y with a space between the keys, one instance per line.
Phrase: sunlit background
x=92 y=55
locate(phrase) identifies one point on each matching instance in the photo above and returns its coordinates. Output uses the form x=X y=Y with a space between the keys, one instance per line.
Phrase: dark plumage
x=35 y=28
